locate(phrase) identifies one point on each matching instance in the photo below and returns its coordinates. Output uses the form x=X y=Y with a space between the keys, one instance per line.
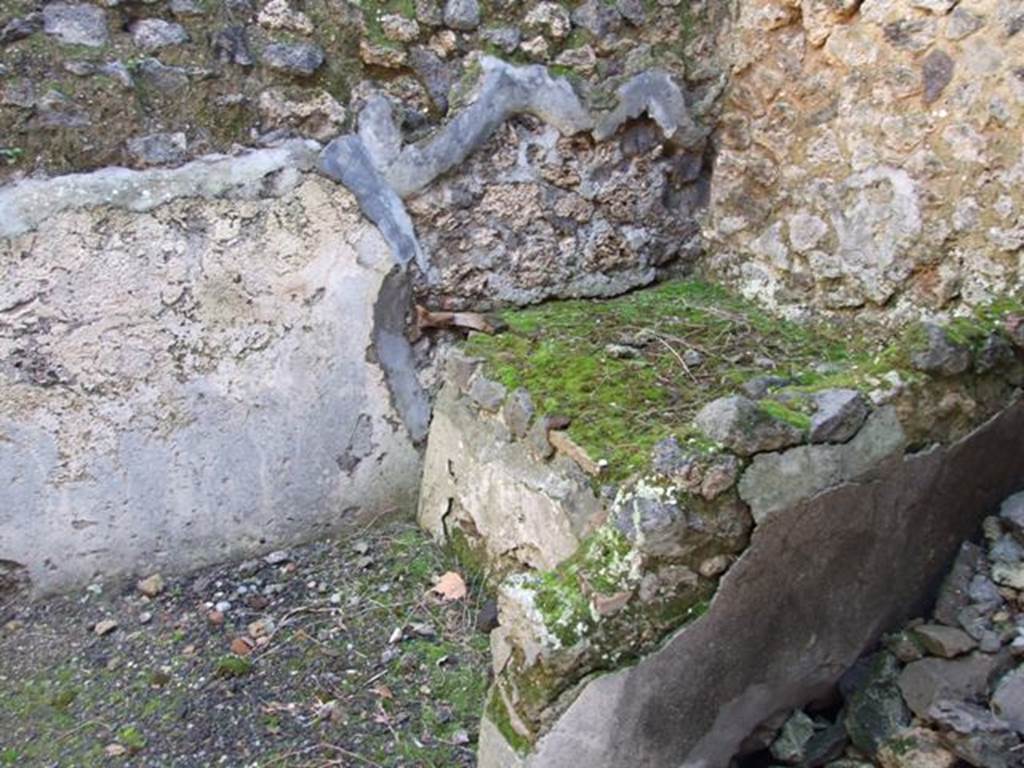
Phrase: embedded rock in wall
x=188 y=369
x=869 y=154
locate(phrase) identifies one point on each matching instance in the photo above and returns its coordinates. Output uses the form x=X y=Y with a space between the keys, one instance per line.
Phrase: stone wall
x=193 y=379
x=869 y=154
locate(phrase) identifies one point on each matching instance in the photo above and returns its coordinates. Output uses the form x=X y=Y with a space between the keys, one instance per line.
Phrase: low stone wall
x=188 y=368
x=664 y=617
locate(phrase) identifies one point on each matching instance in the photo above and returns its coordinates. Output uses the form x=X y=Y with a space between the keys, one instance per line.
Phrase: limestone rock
x=463 y=15
x=517 y=412
x=947 y=642
x=293 y=58
x=552 y=18
x=839 y=414
x=916 y=748
x=486 y=393
x=76 y=24
x=775 y=481
x=940 y=356
x=153 y=34
x=278 y=14
x=962 y=23
x=1009 y=575
x=1008 y=699
x=926 y=682
x=741 y=426
x=399 y=29
x=158 y=148
x=312 y=113
x=875 y=711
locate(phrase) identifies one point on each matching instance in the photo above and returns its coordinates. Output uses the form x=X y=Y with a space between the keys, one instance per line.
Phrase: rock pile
x=940 y=692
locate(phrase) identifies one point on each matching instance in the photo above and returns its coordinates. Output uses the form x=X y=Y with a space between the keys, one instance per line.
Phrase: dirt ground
x=331 y=654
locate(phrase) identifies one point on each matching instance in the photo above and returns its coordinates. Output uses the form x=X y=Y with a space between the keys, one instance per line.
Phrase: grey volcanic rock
x=517 y=412
x=1012 y=511
x=875 y=711
x=76 y=24
x=743 y=427
x=506 y=39
x=18 y=29
x=231 y=46
x=486 y=393
x=936 y=72
x=1008 y=699
x=463 y=15
x=954 y=595
x=151 y=34
x=941 y=355
x=293 y=58
x=947 y=642
x=926 y=682
x=840 y=413
x=158 y=148
x=791 y=745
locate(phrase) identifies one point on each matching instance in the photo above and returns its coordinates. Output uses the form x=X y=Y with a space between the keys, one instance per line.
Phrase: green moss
x=232 y=666
x=787 y=414
x=498 y=714
x=132 y=738
x=621 y=407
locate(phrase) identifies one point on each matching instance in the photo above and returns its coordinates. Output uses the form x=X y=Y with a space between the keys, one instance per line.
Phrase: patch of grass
x=132 y=738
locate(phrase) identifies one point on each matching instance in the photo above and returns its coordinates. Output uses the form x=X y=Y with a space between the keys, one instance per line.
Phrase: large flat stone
x=776 y=635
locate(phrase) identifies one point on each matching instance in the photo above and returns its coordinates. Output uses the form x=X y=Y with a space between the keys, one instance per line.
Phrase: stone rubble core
x=662 y=621
x=942 y=691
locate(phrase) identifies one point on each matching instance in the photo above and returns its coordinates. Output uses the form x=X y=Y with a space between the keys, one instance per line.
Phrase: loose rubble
x=941 y=692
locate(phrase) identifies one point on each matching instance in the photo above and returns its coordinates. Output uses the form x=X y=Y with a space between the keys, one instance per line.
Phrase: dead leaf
x=383 y=692
x=241 y=646
x=115 y=750
x=450 y=587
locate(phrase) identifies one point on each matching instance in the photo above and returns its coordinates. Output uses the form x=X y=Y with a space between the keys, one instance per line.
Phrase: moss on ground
x=621 y=407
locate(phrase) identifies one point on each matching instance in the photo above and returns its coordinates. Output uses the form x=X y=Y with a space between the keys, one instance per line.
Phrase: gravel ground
x=332 y=654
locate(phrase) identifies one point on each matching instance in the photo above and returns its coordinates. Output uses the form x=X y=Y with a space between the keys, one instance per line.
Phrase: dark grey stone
x=1008 y=699
x=597 y=17
x=158 y=148
x=995 y=354
x=953 y=595
x=941 y=355
x=760 y=386
x=964 y=717
x=231 y=46
x=160 y=76
x=76 y=24
x=986 y=750
x=506 y=39
x=435 y=73
x=791 y=745
x=742 y=427
x=632 y=11
x=947 y=642
x=293 y=58
x=152 y=34
x=19 y=29
x=1012 y=511
x=517 y=413
x=486 y=393
x=897 y=532
x=926 y=682
x=463 y=15
x=936 y=72
x=875 y=711
x=838 y=414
